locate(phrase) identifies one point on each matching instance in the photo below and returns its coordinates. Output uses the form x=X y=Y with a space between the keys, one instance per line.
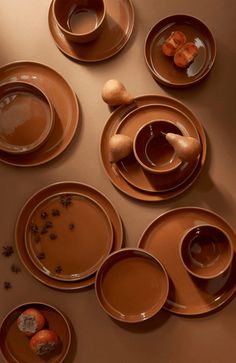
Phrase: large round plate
x=67 y=236
x=32 y=202
x=131 y=285
x=188 y=295
x=110 y=129
x=163 y=68
x=63 y=100
x=117 y=29
x=15 y=345
x=131 y=170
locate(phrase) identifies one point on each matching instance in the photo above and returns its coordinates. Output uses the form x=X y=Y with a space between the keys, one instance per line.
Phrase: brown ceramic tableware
x=163 y=68
x=151 y=149
x=26 y=117
x=188 y=295
x=116 y=31
x=80 y=21
x=131 y=285
x=68 y=235
x=206 y=251
x=15 y=345
x=44 y=193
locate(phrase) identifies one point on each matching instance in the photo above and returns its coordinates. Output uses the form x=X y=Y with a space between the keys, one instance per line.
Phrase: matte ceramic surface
x=63 y=100
x=131 y=285
x=116 y=118
x=68 y=236
x=15 y=345
x=33 y=201
x=26 y=117
x=163 y=68
x=117 y=29
x=80 y=21
x=188 y=295
x=206 y=251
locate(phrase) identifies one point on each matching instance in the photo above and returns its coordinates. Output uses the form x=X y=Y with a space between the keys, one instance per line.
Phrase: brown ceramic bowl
x=26 y=117
x=131 y=285
x=79 y=20
x=206 y=251
x=151 y=149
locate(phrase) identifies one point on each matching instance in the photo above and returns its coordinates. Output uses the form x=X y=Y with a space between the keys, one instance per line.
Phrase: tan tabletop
x=166 y=338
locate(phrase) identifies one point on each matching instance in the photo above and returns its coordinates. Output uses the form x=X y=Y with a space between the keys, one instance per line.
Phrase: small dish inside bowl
x=26 y=117
x=151 y=149
x=206 y=251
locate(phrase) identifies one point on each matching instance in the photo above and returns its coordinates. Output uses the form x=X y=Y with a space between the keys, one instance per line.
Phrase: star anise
x=7 y=285
x=71 y=226
x=41 y=256
x=43 y=215
x=58 y=269
x=55 y=212
x=7 y=251
x=66 y=200
x=34 y=228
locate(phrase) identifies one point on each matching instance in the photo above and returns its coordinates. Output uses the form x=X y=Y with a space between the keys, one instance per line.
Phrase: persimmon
x=30 y=321
x=185 y=55
x=44 y=342
x=174 y=42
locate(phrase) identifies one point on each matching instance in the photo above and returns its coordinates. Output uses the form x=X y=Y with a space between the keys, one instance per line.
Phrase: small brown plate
x=188 y=295
x=129 y=167
x=117 y=29
x=15 y=345
x=42 y=194
x=63 y=100
x=163 y=68
x=110 y=128
x=131 y=285
x=67 y=236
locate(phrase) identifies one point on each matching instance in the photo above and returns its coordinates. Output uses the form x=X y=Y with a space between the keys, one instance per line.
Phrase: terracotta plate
x=163 y=68
x=131 y=285
x=131 y=170
x=117 y=29
x=68 y=236
x=33 y=201
x=15 y=345
x=63 y=100
x=188 y=295
x=110 y=128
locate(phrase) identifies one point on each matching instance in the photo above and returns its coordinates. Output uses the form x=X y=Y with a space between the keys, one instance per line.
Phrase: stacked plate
x=39 y=114
x=64 y=232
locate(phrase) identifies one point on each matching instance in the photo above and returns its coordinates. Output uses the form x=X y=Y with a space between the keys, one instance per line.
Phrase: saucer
x=42 y=194
x=63 y=100
x=67 y=236
x=163 y=68
x=131 y=285
x=117 y=29
x=188 y=295
x=129 y=167
x=15 y=345
x=110 y=128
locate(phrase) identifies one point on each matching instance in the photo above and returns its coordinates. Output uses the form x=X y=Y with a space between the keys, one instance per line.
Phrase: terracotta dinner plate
x=113 y=123
x=131 y=285
x=117 y=30
x=63 y=100
x=67 y=236
x=188 y=295
x=33 y=201
x=163 y=68
x=15 y=345
x=131 y=170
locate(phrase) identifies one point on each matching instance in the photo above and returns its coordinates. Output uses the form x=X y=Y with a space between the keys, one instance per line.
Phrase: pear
x=187 y=148
x=120 y=146
x=114 y=93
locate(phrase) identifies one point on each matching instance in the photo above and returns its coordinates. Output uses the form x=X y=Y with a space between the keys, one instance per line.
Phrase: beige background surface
x=167 y=338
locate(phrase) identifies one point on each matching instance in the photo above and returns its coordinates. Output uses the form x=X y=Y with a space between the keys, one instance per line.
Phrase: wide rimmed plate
x=15 y=345
x=131 y=170
x=68 y=235
x=188 y=295
x=117 y=30
x=32 y=202
x=63 y=100
x=163 y=68
x=131 y=285
x=110 y=129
